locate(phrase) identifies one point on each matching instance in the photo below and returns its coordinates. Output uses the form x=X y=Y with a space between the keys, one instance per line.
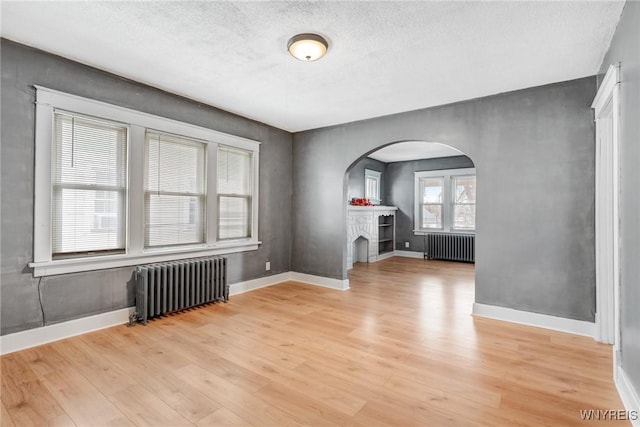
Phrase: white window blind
x=464 y=202
x=234 y=193
x=174 y=190
x=88 y=186
x=431 y=192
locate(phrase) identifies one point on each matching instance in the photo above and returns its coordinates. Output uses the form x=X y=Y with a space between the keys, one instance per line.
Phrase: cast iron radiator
x=171 y=286
x=452 y=247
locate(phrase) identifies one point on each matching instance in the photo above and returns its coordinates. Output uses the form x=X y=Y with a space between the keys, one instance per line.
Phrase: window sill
x=75 y=265
x=440 y=231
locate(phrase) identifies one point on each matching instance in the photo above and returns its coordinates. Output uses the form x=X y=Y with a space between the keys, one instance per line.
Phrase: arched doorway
x=424 y=199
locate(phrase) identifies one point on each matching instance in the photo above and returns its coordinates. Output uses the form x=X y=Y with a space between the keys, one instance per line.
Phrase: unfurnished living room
x=310 y=213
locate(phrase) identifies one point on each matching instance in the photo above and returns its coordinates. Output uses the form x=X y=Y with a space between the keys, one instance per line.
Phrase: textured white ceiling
x=411 y=150
x=384 y=57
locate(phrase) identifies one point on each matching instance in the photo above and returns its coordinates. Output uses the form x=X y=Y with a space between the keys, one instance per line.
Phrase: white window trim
x=368 y=173
x=447 y=202
x=48 y=100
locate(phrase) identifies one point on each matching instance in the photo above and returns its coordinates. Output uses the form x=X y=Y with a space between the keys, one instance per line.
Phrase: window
x=431 y=192
x=372 y=186
x=445 y=200
x=116 y=187
x=88 y=186
x=234 y=193
x=464 y=202
x=174 y=197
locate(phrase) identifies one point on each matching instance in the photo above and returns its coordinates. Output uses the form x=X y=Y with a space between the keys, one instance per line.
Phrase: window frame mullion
x=135 y=205
x=447 y=209
x=211 y=189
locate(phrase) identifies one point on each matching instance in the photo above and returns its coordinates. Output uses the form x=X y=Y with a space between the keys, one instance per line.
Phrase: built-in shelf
x=386 y=233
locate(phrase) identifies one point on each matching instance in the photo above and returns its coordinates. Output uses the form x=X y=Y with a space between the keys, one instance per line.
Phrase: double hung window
x=174 y=196
x=431 y=200
x=89 y=186
x=464 y=202
x=234 y=193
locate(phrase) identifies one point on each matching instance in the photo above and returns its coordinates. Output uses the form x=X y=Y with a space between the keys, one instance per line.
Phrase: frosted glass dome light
x=307 y=47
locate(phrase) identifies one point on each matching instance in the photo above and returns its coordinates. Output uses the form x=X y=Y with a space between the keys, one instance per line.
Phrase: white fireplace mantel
x=363 y=221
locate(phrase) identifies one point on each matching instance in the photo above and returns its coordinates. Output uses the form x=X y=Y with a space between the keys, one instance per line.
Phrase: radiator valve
x=133 y=319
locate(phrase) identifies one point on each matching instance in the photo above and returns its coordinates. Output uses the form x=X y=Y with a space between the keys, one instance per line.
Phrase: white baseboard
x=46 y=334
x=43 y=335
x=341 y=285
x=578 y=327
x=406 y=254
x=385 y=256
x=262 y=282
x=409 y=254
x=628 y=394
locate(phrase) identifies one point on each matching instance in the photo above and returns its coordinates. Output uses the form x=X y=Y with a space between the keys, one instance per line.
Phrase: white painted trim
x=310 y=279
x=409 y=254
x=255 y=193
x=326 y=282
x=211 y=179
x=444 y=172
x=385 y=256
x=378 y=209
x=39 y=336
x=261 y=282
x=405 y=254
x=436 y=231
x=42 y=185
x=628 y=394
x=78 y=104
x=578 y=327
x=73 y=265
x=610 y=80
x=135 y=194
x=607 y=105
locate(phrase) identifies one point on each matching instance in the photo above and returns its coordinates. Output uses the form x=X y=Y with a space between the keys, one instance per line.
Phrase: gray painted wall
x=625 y=48
x=400 y=193
x=534 y=156
x=355 y=186
x=76 y=295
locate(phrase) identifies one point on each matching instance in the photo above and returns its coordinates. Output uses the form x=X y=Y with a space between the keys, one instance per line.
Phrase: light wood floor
x=398 y=349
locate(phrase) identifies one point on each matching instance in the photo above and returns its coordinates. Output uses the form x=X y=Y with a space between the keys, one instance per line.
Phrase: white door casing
x=606 y=106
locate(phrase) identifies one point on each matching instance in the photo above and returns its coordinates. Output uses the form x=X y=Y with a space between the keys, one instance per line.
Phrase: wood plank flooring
x=398 y=349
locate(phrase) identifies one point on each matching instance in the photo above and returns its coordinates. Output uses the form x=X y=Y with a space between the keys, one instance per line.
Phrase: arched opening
x=360 y=249
x=414 y=199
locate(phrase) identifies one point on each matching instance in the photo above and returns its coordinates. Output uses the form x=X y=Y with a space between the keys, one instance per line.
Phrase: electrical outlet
x=406 y=244
x=267 y=265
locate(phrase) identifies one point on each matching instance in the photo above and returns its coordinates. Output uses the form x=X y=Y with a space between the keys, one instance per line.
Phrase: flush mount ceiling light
x=307 y=47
